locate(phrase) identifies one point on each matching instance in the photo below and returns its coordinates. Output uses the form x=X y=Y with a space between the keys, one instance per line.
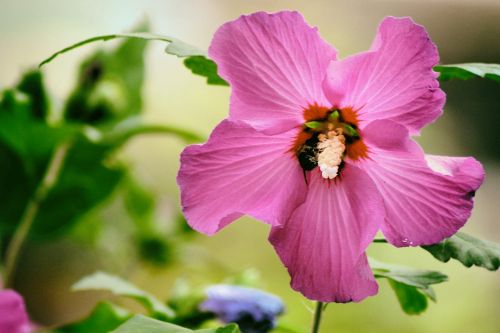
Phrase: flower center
x=327 y=137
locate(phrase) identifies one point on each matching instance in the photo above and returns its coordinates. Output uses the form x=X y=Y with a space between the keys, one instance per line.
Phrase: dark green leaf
x=155 y=249
x=469 y=250
x=32 y=85
x=412 y=301
x=87 y=179
x=26 y=143
x=21 y=130
x=120 y=287
x=109 y=84
x=201 y=65
x=175 y=47
x=139 y=202
x=142 y=324
x=409 y=284
x=104 y=318
x=468 y=71
x=16 y=189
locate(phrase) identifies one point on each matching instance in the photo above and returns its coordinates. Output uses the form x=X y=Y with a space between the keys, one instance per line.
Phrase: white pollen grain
x=331 y=148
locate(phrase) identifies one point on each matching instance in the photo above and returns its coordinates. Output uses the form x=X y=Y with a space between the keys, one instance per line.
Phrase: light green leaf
x=283 y=327
x=104 y=318
x=413 y=277
x=120 y=287
x=469 y=250
x=175 y=47
x=468 y=71
x=201 y=65
x=231 y=328
x=410 y=285
x=142 y=324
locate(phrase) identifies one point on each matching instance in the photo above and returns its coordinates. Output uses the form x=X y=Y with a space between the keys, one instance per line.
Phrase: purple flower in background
x=321 y=149
x=13 y=316
x=253 y=310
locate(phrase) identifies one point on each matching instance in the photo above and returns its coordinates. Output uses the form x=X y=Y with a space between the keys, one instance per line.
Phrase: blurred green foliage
x=100 y=115
x=120 y=287
x=104 y=318
x=109 y=84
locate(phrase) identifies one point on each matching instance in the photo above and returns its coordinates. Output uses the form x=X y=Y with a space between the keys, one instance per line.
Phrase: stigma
x=331 y=148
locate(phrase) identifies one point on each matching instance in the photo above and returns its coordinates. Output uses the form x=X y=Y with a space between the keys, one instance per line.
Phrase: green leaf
x=231 y=328
x=142 y=324
x=21 y=130
x=175 y=47
x=139 y=202
x=468 y=71
x=104 y=318
x=87 y=178
x=412 y=301
x=26 y=143
x=109 y=84
x=469 y=250
x=120 y=287
x=32 y=85
x=201 y=65
x=413 y=277
x=409 y=284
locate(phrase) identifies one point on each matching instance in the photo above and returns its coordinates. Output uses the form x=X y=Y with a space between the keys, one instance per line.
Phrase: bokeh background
x=464 y=31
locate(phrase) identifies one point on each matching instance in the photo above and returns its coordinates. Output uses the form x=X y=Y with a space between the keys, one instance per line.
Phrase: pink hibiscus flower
x=13 y=316
x=320 y=149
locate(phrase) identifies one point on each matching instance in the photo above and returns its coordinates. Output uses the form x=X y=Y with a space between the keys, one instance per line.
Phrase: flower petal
x=323 y=242
x=394 y=80
x=275 y=64
x=13 y=316
x=240 y=171
x=426 y=198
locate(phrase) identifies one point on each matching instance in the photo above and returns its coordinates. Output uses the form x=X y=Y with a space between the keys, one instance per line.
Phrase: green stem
x=317 y=317
x=165 y=129
x=121 y=134
x=46 y=184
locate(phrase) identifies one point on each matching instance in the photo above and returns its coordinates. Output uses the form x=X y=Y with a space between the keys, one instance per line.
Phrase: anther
x=331 y=148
